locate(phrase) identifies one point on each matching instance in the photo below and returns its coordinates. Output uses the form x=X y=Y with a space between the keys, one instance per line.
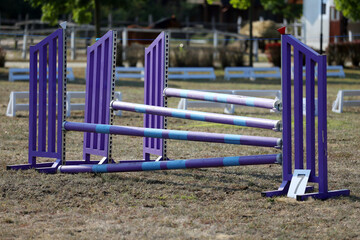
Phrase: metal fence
x=20 y=36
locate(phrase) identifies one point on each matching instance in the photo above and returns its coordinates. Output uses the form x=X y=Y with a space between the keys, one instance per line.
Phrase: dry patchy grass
x=222 y=203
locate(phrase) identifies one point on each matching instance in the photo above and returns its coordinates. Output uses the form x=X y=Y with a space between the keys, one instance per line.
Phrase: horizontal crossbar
x=173 y=164
x=224 y=98
x=175 y=134
x=199 y=116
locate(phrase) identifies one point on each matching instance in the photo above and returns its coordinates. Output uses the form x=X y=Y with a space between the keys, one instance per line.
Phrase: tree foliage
x=84 y=11
x=349 y=8
x=81 y=10
x=11 y=9
x=289 y=11
x=240 y=4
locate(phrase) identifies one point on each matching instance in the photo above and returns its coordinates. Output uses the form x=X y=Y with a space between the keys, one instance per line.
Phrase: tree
x=349 y=8
x=243 y=5
x=289 y=11
x=14 y=9
x=80 y=10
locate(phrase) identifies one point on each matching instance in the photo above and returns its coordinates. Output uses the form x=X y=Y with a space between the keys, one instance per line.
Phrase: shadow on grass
x=129 y=83
x=227 y=180
x=4 y=74
x=244 y=184
x=270 y=81
x=238 y=80
x=77 y=81
x=353 y=198
x=342 y=81
x=241 y=187
x=133 y=83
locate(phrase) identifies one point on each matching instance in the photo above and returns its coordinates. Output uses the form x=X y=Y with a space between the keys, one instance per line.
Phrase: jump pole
x=174 y=134
x=174 y=164
x=199 y=116
x=224 y=98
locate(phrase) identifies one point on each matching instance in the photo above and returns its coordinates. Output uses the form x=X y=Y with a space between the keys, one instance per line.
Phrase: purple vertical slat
x=286 y=98
x=103 y=93
x=322 y=126
x=33 y=105
x=96 y=95
x=152 y=92
x=147 y=74
x=154 y=84
x=88 y=99
x=52 y=97
x=42 y=97
x=298 y=110
x=100 y=85
x=99 y=78
x=310 y=115
x=160 y=85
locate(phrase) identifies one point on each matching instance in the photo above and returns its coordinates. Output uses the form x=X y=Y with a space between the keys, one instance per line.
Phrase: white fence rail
x=340 y=102
x=13 y=106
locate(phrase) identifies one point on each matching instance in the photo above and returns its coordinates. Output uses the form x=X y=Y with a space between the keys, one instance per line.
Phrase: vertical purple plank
x=99 y=92
x=96 y=90
x=152 y=91
x=95 y=87
x=310 y=115
x=88 y=98
x=102 y=83
x=147 y=72
x=286 y=91
x=42 y=97
x=33 y=105
x=103 y=93
x=52 y=97
x=322 y=125
x=298 y=109
x=155 y=79
x=159 y=87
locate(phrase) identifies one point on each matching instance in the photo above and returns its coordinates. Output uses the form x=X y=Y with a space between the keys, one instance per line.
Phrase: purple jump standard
x=174 y=134
x=224 y=98
x=199 y=116
x=173 y=164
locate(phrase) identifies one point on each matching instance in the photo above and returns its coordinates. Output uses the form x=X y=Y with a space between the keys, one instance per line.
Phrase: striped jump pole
x=224 y=98
x=199 y=116
x=173 y=164
x=174 y=134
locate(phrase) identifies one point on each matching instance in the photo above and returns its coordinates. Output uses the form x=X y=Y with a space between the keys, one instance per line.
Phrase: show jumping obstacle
x=47 y=125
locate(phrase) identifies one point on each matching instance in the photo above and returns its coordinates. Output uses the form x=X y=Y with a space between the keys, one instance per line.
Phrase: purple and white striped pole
x=175 y=134
x=173 y=164
x=224 y=98
x=199 y=116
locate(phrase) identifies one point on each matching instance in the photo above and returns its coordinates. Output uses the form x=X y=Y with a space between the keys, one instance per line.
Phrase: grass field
x=221 y=203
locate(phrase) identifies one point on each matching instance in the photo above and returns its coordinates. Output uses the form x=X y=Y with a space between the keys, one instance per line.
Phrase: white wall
x=311 y=19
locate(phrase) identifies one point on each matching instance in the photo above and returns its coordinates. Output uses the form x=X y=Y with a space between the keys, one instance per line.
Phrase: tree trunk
x=251 y=33
x=97 y=18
